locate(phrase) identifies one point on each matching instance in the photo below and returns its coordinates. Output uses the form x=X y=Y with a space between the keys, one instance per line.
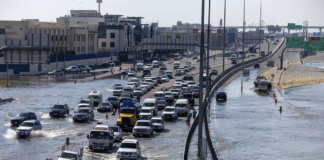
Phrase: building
x=81 y=16
x=187 y=27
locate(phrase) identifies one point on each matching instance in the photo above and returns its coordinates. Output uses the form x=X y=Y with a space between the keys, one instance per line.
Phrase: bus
x=272 y=37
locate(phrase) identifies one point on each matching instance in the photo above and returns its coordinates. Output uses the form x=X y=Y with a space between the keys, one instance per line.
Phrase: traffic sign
x=314 y=39
x=295 y=42
x=291 y=25
x=314 y=46
x=314 y=34
x=295 y=34
x=298 y=27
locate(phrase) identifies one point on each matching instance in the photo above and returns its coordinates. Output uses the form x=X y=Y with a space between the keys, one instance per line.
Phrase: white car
x=131 y=84
x=132 y=74
x=193 y=66
x=177 y=83
x=55 y=72
x=252 y=54
x=165 y=78
x=144 y=88
x=148 y=66
x=134 y=80
x=151 y=80
x=158 y=123
x=124 y=71
x=27 y=127
x=73 y=69
x=143 y=127
x=170 y=112
x=138 y=91
x=84 y=68
x=146 y=85
x=117 y=132
x=129 y=148
x=146 y=113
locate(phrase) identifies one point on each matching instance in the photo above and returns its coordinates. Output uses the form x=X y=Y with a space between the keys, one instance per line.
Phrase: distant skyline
x=168 y=12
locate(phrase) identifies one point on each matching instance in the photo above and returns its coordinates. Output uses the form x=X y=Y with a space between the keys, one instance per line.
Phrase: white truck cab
x=155 y=64
x=101 y=138
x=130 y=149
x=96 y=96
x=151 y=103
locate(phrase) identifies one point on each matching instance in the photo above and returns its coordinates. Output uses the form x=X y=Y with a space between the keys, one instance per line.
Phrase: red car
x=161 y=104
x=195 y=92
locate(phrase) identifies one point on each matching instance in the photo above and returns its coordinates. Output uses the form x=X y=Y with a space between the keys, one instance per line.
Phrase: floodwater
x=249 y=126
x=318 y=65
x=39 y=97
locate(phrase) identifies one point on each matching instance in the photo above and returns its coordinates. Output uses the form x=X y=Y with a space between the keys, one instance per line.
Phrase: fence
x=218 y=82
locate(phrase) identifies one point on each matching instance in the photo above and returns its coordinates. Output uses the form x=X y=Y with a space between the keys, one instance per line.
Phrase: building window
x=52 y=38
x=25 y=37
x=112 y=44
x=112 y=35
x=61 y=38
x=64 y=38
x=103 y=44
x=56 y=38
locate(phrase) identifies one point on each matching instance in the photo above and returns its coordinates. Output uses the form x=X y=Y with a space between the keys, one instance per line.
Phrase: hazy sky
x=168 y=12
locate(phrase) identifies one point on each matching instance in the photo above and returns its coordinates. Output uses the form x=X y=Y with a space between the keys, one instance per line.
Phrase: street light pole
x=260 y=31
x=201 y=109
x=208 y=37
x=224 y=38
x=243 y=35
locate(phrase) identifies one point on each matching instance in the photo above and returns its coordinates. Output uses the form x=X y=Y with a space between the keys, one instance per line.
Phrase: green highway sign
x=295 y=42
x=298 y=27
x=295 y=34
x=314 y=46
x=291 y=25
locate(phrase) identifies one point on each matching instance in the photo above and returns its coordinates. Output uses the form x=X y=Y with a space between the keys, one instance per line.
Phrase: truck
x=71 y=152
x=128 y=114
x=270 y=63
x=101 y=137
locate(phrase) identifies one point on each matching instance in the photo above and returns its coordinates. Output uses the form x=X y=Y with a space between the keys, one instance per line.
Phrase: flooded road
x=249 y=126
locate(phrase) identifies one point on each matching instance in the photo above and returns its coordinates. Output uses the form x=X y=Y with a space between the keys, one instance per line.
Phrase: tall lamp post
x=260 y=31
x=224 y=38
x=201 y=109
x=243 y=56
x=208 y=37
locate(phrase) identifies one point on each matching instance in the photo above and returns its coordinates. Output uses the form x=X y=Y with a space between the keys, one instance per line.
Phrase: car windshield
x=71 y=156
x=128 y=145
x=174 y=90
x=138 y=89
x=112 y=99
x=181 y=105
x=169 y=109
x=188 y=78
x=99 y=135
x=119 y=87
x=22 y=115
x=127 y=90
x=83 y=111
x=263 y=83
x=124 y=110
x=156 y=121
x=27 y=124
x=158 y=94
x=164 y=76
x=105 y=104
x=142 y=124
x=184 y=85
x=196 y=90
x=148 y=105
x=168 y=93
x=93 y=97
x=161 y=102
x=145 y=83
x=115 y=129
x=145 y=111
x=58 y=107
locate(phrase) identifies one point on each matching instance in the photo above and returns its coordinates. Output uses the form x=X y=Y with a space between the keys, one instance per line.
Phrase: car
x=221 y=96
x=132 y=74
x=234 y=61
x=161 y=72
x=194 y=87
x=175 y=92
x=124 y=71
x=160 y=63
x=55 y=72
x=59 y=110
x=131 y=84
x=186 y=68
x=149 y=84
x=213 y=72
x=194 y=57
x=188 y=78
x=159 y=79
x=148 y=80
x=169 y=96
x=146 y=113
x=115 y=85
x=193 y=66
x=182 y=93
x=113 y=100
x=257 y=65
x=258 y=79
x=83 y=114
x=138 y=91
x=163 y=58
x=195 y=92
x=271 y=63
x=233 y=56
x=118 y=90
x=27 y=127
x=163 y=67
x=144 y=88
x=104 y=106
x=190 y=84
x=92 y=66
x=252 y=54
x=146 y=72
x=148 y=66
x=117 y=132
x=85 y=103
x=178 y=80
x=103 y=65
x=21 y=117
x=177 y=83
x=73 y=69
x=277 y=40
x=179 y=72
x=177 y=86
x=158 y=123
x=170 y=112
x=161 y=104
x=188 y=96
x=154 y=80
x=83 y=68
x=184 y=86
x=75 y=155
x=159 y=95
x=165 y=78
x=146 y=85
x=246 y=71
x=130 y=149
x=135 y=81
x=124 y=97
x=143 y=127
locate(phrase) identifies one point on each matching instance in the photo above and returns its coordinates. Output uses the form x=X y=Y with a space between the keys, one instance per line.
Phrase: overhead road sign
x=314 y=39
x=291 y=25
x=295 y=42
x=314 y=46
x=295 y=34
x=298 y=27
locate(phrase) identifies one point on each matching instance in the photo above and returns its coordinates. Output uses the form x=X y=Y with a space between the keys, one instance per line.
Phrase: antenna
x=99 y=1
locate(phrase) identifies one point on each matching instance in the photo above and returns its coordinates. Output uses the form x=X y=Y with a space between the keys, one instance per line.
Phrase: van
x=176 y=65
x=169 y=73
x=176 y=57
x=96 y=96
x=129 y=90
x=233 y=56
x=151 y=103
x=182 y=105
x=246 y=71
x=101 y=138
x=155 y=64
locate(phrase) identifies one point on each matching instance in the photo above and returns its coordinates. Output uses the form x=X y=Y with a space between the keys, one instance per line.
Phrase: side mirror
x=87 y=136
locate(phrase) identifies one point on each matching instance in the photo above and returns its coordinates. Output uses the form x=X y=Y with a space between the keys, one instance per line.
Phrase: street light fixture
x=224 y=38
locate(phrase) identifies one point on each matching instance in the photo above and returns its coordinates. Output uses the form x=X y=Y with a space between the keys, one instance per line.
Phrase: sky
x=168 y=12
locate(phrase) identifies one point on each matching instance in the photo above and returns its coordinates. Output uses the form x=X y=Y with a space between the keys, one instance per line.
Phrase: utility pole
x=208 y=37
x=260 y=31
x=201 y=109
x=224 y=38
x=243 y=35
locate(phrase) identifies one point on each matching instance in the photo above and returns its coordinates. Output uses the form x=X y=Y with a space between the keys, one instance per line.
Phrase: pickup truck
x=270 y=63
x=143 y=127
x=71 y=152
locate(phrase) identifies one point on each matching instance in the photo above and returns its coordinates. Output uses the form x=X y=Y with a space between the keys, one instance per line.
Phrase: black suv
x=221 y=96
x=188 y=96
x=146 y=72
x=23 y=117
x=114 y=101
x=59 y=110
x=214 y=72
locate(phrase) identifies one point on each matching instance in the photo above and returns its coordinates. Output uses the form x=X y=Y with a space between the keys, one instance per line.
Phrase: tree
x=178 y=36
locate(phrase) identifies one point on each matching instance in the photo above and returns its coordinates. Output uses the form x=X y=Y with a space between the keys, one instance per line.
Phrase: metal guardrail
x=218 y=82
